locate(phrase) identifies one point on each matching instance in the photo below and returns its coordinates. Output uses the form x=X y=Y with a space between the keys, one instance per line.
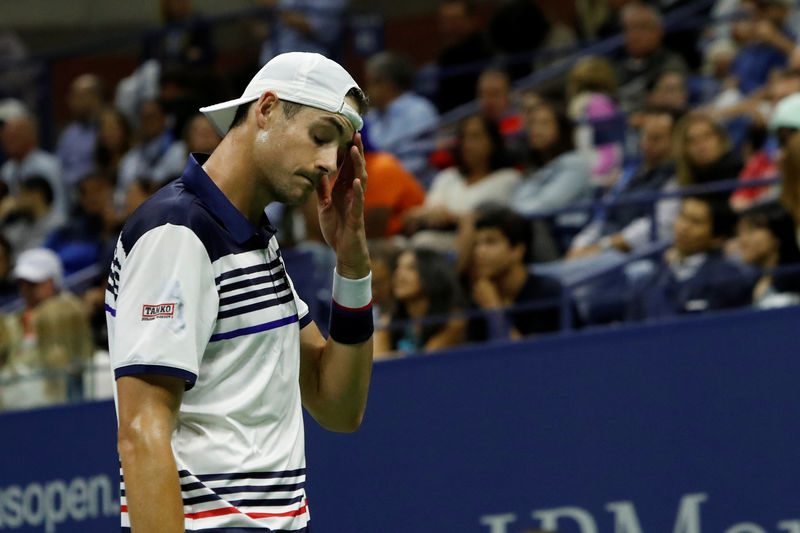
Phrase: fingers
x=359 y=160
x=358 y=199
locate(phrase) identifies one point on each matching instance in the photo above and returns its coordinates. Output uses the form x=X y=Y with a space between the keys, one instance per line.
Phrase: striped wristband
x=351 y=309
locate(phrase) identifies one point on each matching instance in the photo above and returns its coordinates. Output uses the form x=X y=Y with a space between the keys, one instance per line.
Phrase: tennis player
x=212 y=350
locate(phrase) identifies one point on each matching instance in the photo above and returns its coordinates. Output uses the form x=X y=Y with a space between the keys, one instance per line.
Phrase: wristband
x=351 y=309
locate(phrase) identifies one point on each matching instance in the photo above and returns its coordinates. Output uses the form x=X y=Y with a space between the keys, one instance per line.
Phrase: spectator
x=383 y=256
x=480 y=177
x=766 y=45
x=198 y=136
x=400 y=122
x=498 y=278
x=494 y=102
x=669 y=89
x=148 y=158
x=304 y=26
x=113 y=142
x=8 y=287
x=557 y=175
x=644 y=57
x=76 y=144
x=51 y=333
x=26 y=159
x=759 y=164
x=185 y=39
x=627 y=227
x=28 y=218
x=704 y=152
x=426 y=292
x=463 y=44
x=80 y=242
x=391 y=193
x=591 y=94
x=693 y=276
x=767 y=240
x=790 y=170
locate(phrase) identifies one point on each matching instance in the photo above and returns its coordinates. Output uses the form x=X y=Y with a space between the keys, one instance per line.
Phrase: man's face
x=18 y=138
x=83 y=98
x=454 y=22
x=670 y=91
x=493 y=254
x=202 y=137
x=35 y=293
x=694 y=228
x=493 y=94
x=151 y=120
x=380 y=90
x=642 y=33
x=703 y=144
x=293 y=154
x=656 y=140
x=94 y=195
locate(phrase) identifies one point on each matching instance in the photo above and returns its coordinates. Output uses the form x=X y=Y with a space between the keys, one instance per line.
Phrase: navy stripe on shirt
x=245 y=475
x=253 y=329
x=255 y=293
x=246 y=270
x=288 y=297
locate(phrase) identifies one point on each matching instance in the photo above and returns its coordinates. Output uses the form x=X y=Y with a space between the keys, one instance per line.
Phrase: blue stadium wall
x=686 y=427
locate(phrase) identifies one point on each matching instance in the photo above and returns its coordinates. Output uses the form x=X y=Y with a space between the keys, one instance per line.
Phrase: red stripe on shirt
x=233 y=510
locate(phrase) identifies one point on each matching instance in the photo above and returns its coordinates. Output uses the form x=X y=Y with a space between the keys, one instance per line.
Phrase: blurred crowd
x=657 y=180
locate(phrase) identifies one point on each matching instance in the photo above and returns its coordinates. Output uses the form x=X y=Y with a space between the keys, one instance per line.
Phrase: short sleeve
x=166 y=306
x=303 y=315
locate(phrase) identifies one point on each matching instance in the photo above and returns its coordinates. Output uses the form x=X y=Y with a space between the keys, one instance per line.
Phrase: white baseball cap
x=299 y=77
x=787 y=113
x=38 y=265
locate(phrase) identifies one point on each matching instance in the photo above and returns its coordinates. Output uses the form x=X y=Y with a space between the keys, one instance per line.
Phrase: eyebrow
x=336 y=124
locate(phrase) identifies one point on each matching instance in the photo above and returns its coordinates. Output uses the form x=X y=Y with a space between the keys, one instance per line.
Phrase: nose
x=327 y=159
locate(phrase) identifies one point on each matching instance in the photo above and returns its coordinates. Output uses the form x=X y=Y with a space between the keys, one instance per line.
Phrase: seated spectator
x=463 y=43
x=669 y=89
x=91 y=228
x=628 y=227
x=766 y=44
x=498 y=279
x=600 y=131
x=426 y=292
x=28 y=218
x=694 y=276
x=8 y=286
x=767 y=240
x=644 y=57
x=198 y=136
x=148 y=158
x=557 y=175
x=25 y=159
x=400 y=122
x=494 y=102
x=36 y=334
x=481 y=177
x=790 y=170
x=113 y=142
x=704 y=152
x=76 y=143
x=759 y=164
x=383 y=256
x=391 y=193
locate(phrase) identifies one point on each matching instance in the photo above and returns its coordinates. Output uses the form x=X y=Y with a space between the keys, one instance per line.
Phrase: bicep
x=312 y=344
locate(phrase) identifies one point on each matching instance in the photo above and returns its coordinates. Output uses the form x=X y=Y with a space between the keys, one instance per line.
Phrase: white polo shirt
x=199 y=293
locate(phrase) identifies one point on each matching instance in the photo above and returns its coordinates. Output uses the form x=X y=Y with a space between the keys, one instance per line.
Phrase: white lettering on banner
x=548 y=518
x=688 y=518
x=497 y=522
x=745 y=527
x=54 y=501
x=791 y=526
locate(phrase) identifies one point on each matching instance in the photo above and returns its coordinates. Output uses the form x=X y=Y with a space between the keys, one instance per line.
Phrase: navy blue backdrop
x=686 y=427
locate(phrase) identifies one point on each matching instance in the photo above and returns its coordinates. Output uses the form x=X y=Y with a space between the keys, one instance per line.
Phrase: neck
x=510 y=283
x=417 y=307
x=477 y=173
x=231 y=169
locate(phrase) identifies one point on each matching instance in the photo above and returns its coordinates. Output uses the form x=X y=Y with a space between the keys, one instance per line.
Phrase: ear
x=265 y=107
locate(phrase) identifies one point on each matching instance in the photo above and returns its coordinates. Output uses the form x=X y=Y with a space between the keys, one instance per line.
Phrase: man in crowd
x=28 y=218
x=400 y=122
x=25 y=159
x=644 y=57
x=694 y=276
x=76 y=144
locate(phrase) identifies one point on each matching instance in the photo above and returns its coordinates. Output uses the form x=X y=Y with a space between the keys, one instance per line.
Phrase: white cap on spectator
x=300 y=77
x=11 y=108
x=787 y=113
x=39 y=265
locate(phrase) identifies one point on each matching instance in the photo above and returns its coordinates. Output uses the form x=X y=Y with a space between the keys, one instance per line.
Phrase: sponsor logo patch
x=151 y=312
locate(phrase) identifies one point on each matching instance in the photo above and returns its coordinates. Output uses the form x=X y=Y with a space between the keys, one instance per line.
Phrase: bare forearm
x=152 y=487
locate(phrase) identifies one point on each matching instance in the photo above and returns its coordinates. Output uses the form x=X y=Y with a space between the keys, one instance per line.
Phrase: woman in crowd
x=767 y=241
x=557 y=175
x=704 y=152
x=481 y=176
x=113 y=142
x=424 y=286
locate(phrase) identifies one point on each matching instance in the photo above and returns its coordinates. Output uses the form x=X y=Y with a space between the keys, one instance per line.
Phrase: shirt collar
x=207 y=191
